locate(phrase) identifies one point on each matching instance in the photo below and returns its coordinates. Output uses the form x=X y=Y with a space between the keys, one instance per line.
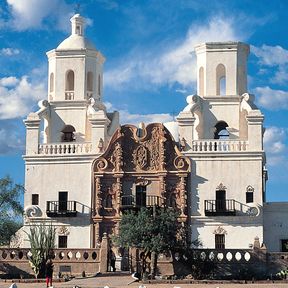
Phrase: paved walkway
x=121 y=281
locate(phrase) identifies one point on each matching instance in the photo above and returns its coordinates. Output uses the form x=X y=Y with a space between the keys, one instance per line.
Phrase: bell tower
x=221 y=68
x=75 y=88
x=75 y=67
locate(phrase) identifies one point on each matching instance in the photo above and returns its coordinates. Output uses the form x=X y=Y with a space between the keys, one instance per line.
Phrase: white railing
x=65 y=148
x=219 y=145
x=69 y=95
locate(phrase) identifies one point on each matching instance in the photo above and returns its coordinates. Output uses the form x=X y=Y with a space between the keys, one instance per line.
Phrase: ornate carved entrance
x=140 y=167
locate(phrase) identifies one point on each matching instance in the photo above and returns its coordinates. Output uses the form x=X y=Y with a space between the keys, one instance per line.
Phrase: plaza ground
x=121 y=281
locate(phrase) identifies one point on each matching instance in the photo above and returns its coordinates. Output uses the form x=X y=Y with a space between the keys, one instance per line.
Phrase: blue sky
x=150 y=64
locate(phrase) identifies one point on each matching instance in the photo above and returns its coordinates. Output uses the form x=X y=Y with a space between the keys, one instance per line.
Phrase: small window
x=62 y=241
x=219 y=241
x=249 y=197
x=284 y=245
x=35 y=199
x=249 y=194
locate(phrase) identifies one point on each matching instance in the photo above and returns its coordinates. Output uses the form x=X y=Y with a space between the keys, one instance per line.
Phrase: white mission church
x=87 y=168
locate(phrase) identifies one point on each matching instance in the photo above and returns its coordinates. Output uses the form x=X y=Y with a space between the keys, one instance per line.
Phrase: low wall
x=15 y=262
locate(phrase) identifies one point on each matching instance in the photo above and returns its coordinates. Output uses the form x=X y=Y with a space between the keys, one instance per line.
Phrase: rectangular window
x=141 y=196
x=62 y=241
x=249 y=197
x=219 y=241
x=63 y=200
x=35 y=199
x=284 y=245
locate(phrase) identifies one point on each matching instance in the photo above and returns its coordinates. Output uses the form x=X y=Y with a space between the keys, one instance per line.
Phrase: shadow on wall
x=8 y=271
x=195 y=197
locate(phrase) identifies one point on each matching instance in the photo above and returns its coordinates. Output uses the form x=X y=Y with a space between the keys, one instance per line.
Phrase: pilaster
x=255 y=130
x=186 y=122
x=32 y=124
x=99 y=122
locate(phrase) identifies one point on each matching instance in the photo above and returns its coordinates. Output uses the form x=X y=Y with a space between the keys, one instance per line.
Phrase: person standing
x=49 y=272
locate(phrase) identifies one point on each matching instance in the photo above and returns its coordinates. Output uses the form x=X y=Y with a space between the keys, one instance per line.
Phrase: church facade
x=82 y=169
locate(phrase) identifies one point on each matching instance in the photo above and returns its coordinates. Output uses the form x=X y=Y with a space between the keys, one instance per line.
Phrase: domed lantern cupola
x=75 y=67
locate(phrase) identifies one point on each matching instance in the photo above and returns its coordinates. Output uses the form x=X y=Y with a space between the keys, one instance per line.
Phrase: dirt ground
x=121 y=281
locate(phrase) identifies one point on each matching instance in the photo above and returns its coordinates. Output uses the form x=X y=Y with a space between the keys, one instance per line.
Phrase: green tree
x=153 y=231
x=11 y=210
x=42 y=243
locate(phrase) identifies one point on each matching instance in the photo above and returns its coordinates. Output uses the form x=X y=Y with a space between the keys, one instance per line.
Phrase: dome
x=75 y=42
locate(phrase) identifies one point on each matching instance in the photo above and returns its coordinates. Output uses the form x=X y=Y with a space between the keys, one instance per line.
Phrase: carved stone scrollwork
x=33 y=211
x=118 y=192
x=63 y=230
x=162 y=156
x=221 y=187
x=194 y=103
x=220 y=230
x=181 y=163
x=140 y=181
x=101 y=164
x=247 y=102
x=117 y=158
x=140 y=157
x=182 y=191
x=98 y=199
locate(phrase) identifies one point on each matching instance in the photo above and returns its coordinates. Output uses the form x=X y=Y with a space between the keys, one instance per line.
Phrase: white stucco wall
x=275 y=225
x=239 y=233
x=47 y=177
x=236 y=173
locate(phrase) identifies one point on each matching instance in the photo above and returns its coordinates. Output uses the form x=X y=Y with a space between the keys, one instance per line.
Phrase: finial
x=77 y=8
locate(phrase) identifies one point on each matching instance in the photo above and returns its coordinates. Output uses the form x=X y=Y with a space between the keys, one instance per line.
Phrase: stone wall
x=15 y=262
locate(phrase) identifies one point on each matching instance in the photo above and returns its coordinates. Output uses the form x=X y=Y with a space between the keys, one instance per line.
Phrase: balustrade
x=69 y=95
x=65 y=148
x=219 y=145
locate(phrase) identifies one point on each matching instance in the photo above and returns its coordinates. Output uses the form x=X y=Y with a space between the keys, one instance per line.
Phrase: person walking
x=49 y=272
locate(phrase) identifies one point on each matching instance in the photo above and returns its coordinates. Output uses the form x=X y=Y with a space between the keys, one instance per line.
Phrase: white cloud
x=17 y=96
x=273 y=56
x=272 y=99
x=10 y=141
x=129 y=118
x=270 y=55
x=9 y=51
x=9 y=81
x=275 y=146
x=30 y=14
x=170 y=65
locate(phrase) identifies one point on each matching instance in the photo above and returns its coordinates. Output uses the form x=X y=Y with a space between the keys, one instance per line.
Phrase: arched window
x=68 y=133
x=51 y=88
x=201 y=81
x=89 y=81
x=89 y=85
x=99 y=85
x=220 y=80
x=69 y=81
x=69 y=85
x=221 y=131
x=249 y=194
